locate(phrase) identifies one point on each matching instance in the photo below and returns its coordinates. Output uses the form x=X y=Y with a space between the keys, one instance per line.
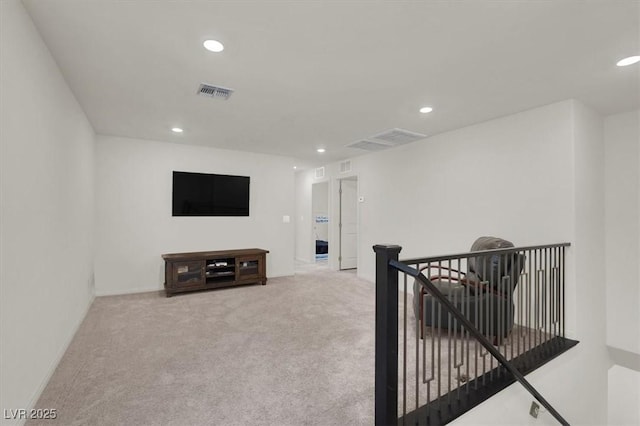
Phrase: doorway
x=348 y=223
x=320 y=221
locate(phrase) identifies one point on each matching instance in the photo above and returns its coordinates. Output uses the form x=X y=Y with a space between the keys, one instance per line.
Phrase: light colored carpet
x=469 y=358
x=298 y=351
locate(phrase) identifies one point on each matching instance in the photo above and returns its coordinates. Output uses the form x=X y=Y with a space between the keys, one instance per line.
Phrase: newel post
x=386 y=384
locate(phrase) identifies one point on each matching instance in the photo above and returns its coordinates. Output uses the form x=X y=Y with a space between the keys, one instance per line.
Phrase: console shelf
x=213 y=269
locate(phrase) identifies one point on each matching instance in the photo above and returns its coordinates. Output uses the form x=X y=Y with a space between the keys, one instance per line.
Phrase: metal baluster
x=485 y=318
x=468 y=293
x=510 y=316
x=424 y=336
x=499 y=310
x=549 y=294
x=418 y=330
x=556 y=281
x=404 y=354
x=513 y=274
x=449 y=338
x=519 y=289
x=552 y=293
x=543 y=266
x=552 y=279
x=540 y=297
x=435 y=322
x=491 y=317
x=433 y=364
x=478 y=318
x=439 y=383
x=544 y=297
x=562 y=317
x=560 y=301
x=506 y=310
x=530 y=277
x=459 y=363
x=536 y=301
x=483 y=312
x=433 y=355
x=556 y=290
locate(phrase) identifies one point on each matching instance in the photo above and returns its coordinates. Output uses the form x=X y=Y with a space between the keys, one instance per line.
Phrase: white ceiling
x=311 y=73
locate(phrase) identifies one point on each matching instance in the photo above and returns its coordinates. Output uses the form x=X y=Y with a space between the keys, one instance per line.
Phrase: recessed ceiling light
x=176 y=130
x=213 y=45
x=426 y=110
x=320 y=150
x=295 y=167
x=628 y=61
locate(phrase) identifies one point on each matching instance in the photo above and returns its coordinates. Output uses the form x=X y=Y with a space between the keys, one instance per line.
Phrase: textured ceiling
x=311 y=73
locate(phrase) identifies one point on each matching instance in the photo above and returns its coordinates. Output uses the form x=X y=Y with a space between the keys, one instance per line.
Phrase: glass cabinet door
x=248 y=267
x=188 y=273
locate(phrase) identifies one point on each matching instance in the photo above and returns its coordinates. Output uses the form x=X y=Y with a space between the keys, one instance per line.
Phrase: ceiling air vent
x=369 y=145
x=319 y=172
x=345 y=166
x=214 y=91
x=396 y=136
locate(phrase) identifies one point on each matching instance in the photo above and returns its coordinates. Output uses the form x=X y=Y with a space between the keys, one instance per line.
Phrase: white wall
x=576 y=382
x=622 y=213
x=445 y=191
x=624 y=396
x=588 y=256
x=134 y=222
x=506 y=177
x=535 y=177
x=47 y=148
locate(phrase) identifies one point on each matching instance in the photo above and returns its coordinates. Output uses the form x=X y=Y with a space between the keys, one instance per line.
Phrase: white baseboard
x=128 y=291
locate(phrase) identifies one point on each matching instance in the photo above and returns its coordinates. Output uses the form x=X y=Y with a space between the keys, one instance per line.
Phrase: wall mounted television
x=201 y=194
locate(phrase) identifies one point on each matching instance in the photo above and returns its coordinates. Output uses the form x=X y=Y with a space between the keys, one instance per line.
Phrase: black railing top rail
x=433 y=290
x=479 y=253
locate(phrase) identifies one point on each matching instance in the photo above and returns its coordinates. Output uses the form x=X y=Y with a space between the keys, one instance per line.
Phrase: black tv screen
x=200 y=194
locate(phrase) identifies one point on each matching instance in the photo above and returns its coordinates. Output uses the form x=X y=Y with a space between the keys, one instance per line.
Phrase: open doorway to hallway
x=320 y=221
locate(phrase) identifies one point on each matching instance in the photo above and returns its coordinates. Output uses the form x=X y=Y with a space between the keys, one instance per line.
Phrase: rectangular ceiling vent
x=214 y=91
x=368 y=145
x=398 y=136
x=319 y=172
x=345 y=166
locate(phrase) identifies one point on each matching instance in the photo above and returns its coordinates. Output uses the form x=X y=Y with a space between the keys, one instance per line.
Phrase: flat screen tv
x=201 y=194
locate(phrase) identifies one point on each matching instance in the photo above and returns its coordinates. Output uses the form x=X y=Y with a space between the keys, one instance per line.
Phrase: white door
x=348 y=223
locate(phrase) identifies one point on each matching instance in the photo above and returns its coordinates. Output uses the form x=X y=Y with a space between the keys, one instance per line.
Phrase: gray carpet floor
x=298 y=351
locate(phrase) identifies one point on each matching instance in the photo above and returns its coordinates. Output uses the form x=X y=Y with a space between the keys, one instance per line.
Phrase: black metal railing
x=481 y=320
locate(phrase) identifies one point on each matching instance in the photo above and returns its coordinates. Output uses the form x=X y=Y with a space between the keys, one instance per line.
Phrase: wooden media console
x=213 y=269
